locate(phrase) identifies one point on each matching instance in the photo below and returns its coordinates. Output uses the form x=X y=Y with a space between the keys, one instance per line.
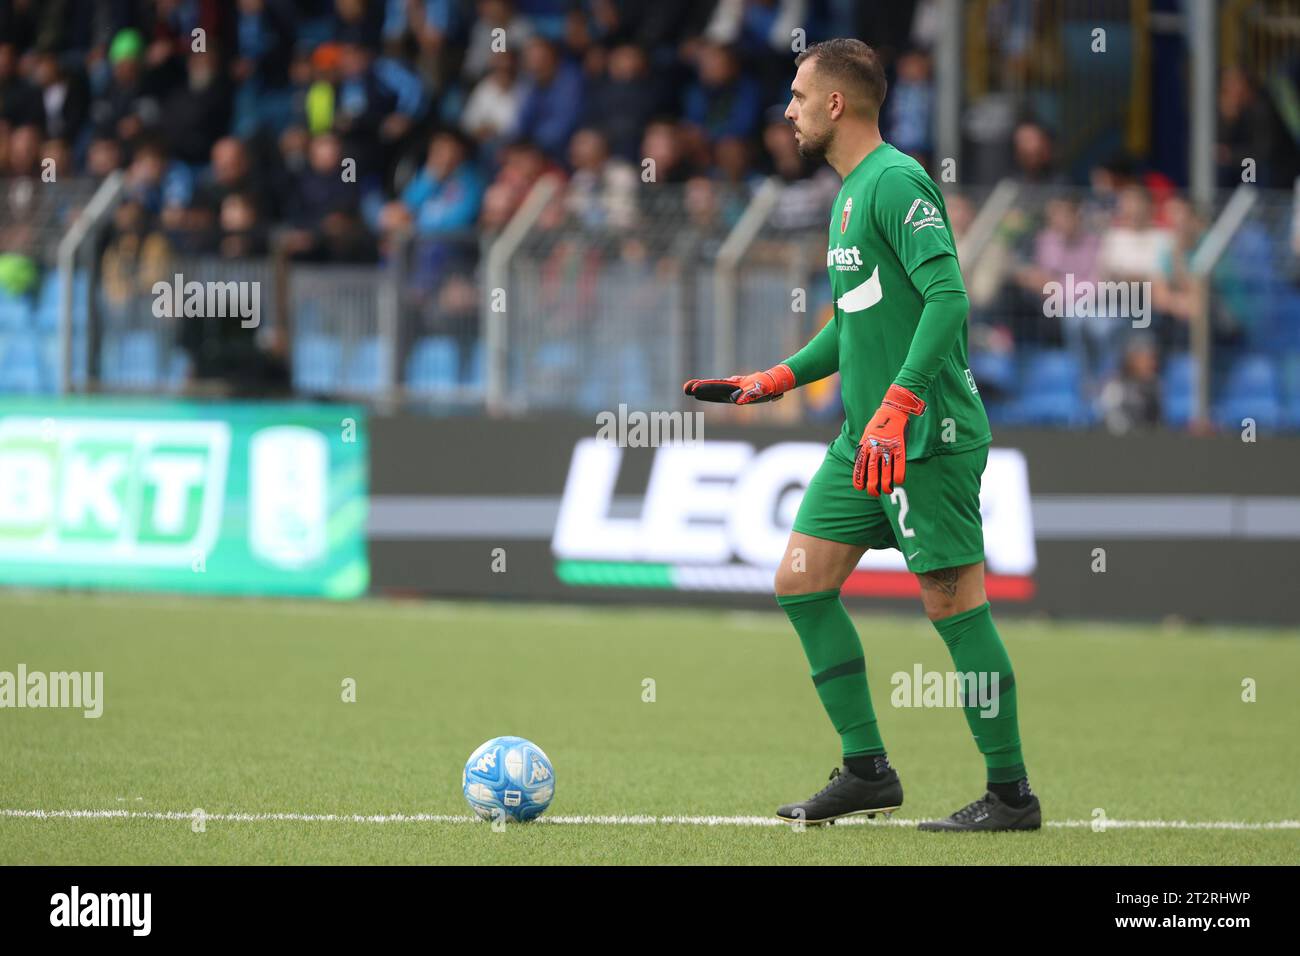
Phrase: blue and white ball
x=508 y=777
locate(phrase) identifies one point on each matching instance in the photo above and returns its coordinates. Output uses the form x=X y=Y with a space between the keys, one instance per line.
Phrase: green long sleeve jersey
x=900 y=309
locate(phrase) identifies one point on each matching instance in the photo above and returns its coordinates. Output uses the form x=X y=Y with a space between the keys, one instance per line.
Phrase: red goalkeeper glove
x=882 y=455
x=743 y=389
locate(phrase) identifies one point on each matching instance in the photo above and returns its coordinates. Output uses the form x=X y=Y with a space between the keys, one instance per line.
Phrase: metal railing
x=565 y=310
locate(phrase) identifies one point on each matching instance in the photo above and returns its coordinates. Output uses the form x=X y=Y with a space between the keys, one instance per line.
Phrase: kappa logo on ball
x=509 y=779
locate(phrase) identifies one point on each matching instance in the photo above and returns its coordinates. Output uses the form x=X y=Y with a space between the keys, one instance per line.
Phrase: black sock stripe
x=856 y=666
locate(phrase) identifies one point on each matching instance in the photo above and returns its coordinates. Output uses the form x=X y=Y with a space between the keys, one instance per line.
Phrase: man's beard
x=815 y=149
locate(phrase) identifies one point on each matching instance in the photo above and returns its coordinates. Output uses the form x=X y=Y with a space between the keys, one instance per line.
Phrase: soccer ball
x=510 y=778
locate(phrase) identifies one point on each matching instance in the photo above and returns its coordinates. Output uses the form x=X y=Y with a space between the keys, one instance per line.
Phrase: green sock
x=839 y=671
x=976 y=649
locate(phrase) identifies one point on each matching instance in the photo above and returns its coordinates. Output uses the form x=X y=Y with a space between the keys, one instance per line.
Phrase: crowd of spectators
x=327 y=129
x=233 y=119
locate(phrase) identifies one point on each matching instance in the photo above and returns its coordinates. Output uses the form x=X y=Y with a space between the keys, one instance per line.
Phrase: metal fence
x=34 y=216
x=407 y=331
x=171 y=323
x=608 y=302
x=1253 y=317
x=1079 y=67
x=616 y=299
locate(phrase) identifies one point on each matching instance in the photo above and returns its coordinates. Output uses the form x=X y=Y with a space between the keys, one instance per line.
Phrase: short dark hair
x=853 y=63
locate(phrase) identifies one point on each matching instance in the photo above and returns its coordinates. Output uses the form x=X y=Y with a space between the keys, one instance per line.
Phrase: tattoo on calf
x=944 y=579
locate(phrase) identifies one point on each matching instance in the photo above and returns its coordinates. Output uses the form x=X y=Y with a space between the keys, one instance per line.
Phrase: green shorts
x=933 y=518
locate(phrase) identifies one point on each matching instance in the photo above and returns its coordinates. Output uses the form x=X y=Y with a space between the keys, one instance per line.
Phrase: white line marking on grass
x=615 y=820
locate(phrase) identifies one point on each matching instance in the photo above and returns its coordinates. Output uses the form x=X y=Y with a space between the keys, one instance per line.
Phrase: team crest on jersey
x=844 y=216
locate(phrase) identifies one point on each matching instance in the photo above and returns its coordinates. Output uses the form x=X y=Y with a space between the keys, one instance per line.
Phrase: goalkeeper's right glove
x=743 y=389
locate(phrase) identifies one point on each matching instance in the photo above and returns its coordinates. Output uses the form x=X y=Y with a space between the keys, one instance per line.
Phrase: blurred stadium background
x=464 y=214
x=522 y=171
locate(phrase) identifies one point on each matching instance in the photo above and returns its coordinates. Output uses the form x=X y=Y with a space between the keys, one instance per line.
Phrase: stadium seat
x=20 y=365
x=552 y=370
x=1249 y=285
x=1051 y=391
x=47 y=302
x=15 y=313
x=51 y=357
x=476 y=370
x=364 y=372
x=635 y=378
x=623 y=377
x=47 y=313
x=1279 y=329
x=178 y=370
x=1000 y=412
x=308 y=320
x=996 y=370
x=432 y=364
x=1176 y=403
x=1252 y=389
x=130 y=360
x=51 y=296
x=141 y=357
x=317 y=360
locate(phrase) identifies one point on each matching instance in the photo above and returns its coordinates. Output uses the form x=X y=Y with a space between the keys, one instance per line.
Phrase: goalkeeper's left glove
x=882 y=454
x=743 y=389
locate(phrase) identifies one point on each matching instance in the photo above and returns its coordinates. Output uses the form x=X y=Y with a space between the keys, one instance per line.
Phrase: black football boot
x=846 y=795
x=988 y=814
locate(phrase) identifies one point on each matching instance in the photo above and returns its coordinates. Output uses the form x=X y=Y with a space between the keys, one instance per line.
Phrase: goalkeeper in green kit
x=905 y=470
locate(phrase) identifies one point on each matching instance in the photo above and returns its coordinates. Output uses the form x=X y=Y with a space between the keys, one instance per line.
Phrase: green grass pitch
x=235 y=707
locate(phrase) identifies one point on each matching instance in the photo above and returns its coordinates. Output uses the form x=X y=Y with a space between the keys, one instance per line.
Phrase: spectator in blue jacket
x=554 y=98
x=722 y=102
x=264 y=39
x=444 y=196
x=376 y=104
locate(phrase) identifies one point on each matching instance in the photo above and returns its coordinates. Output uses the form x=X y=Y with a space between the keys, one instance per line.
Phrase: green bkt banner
x=235 y=498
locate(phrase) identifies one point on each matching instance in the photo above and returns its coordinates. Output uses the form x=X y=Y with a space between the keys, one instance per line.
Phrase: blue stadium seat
x=317 y=361
x=364 y=373
x=1290 y=376
x=1249 y=284
x=476 y=372
x=1252 y=389
x=47 y=313
x=555 y=356
x=432 y=364
x=51 y=357
x=15 y=313
x=141 y=357
x=635 y=377
x=994 y=369
x=178 y=370
x=1176 y=404
x=622 y=377
x=1000 y=412
x=1279 y=329
x=308 y=320
x=50 y=297
x=1051 y=391
x=20 y=365
x=130 y=360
